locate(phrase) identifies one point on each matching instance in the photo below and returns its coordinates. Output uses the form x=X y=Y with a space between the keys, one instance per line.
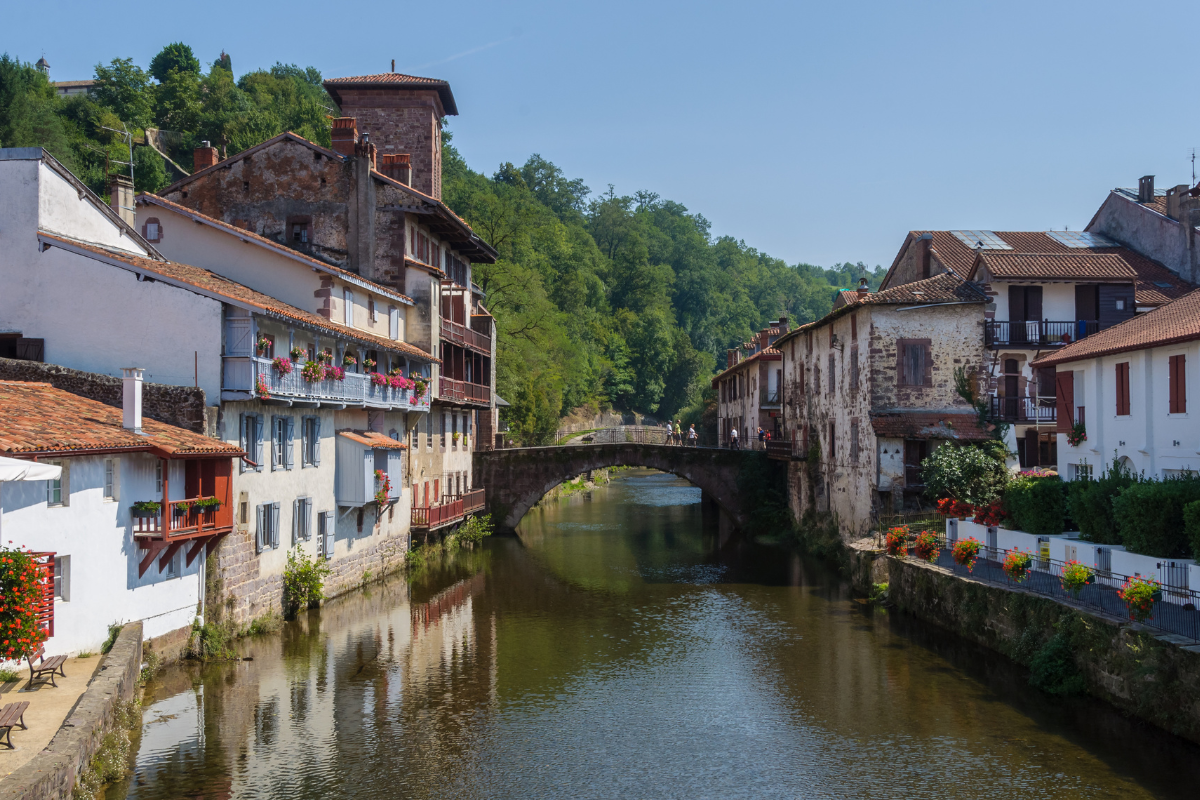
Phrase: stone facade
x=402 y=121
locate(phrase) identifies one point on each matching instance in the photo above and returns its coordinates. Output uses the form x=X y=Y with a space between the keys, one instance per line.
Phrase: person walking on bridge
x=678 y=433
x=733 y=439
x=692 y=435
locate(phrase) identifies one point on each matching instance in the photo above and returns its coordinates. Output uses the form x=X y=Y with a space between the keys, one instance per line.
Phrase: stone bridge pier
x=516 y=479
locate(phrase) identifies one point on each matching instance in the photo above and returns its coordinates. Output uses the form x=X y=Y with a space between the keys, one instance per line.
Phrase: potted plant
x=325 y=356
x=419 y=387
x=145 y=509
x=896 y=540
x=283 y=365
x=349 y=361
x=369 y=363
x=379 y=379
x=383 y=486
x=297 y=353
x=1078 y=435
x=1017 y=564
x=263 y=345
x=1075 y=576
x=312 y=372
x=261 y=388
x=457 y=435
x=1140 y=594
x=206 y=503
x=332 y=373
x=990 y=515
x=182 y=509
x=927 y=546
x=965 y=552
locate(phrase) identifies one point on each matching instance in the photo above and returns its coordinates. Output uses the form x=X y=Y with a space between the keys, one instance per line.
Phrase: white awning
x=15 y=469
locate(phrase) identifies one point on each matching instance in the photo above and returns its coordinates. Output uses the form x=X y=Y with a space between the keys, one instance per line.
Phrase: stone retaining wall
x=1152 y=676
x=51 y=774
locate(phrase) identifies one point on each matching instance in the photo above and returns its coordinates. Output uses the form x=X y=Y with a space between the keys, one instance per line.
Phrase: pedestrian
x=678 y=433
x=733 y=439
x=692 y=435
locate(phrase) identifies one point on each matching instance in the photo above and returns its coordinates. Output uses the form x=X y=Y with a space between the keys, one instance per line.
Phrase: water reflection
x=610 y=651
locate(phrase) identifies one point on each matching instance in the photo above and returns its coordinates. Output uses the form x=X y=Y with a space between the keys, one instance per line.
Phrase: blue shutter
x=288 y=443
x=260 y=529
x=316 y=441
x=296 y=506
x=274 y=524
x=242 y=442
x=308 y=520
x=258 y=440
x=329 y=535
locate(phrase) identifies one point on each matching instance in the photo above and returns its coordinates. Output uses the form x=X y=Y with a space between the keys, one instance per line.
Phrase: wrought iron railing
x=1024 y=409
x=1037 y=333
x=246 y=374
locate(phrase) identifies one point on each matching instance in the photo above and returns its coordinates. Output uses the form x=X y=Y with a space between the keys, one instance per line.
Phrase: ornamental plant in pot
x=297 y=353
x=21 y=589
x=927 y=547
x=205 y=503
x=145 y=509
x=368 y=363
x=1140 y=595
x=457 y=437
x=965 y=552
x=383 y=487
x=313 y=372
x=1075 y=576
x=379 y=379
x=1017 y=564
x=349 y=360
x=261 y=388
x=263 y=345
x=334 y=373
x=419 y=388
x=182 y=509
x=1078 y=435
x=896 y=540
x=949 y=507
x=283 y=365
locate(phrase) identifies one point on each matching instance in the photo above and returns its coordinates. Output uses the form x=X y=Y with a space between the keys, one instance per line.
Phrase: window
x=281 y=443
x=158 y=478
x=371 y=309
x=854 y=367
x=243 y=510
x=454 y=430
x=816 y=380
x=914 y=368
x=808 y=342
x=300 y=231
x=416 y=437
x=325 y=532
x=832 y=444
x=252 y=441
x=110 y=479
x=267 y=529
x=853 y=327
x=1123 y=389
x=152 y=230
x=58 y=491
x=444 y=425
x=348 y=307
x=854 y=441
x=266 y=345
x=393 y=322
x=1177 y=380
x=62 y=578
x=173 y=565
x=832 y=382
x=428 y=419
x=301 y=520
x=310 y=434
x=1081 y=472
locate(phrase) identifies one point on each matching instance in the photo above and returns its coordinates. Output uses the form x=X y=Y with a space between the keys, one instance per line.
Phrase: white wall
x=62 y=210
x=96 y=533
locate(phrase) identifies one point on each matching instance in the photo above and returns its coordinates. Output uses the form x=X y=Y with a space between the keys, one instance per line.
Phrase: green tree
x=176 y=57
x=125 y=88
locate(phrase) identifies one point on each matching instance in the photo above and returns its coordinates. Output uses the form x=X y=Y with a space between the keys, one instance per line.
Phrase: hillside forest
x=603 y=300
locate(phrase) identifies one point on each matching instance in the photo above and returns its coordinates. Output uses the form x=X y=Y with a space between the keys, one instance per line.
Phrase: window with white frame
x=62 y=578
x=371 y=309
x=325 y=531
x=281 y=443
x=267 y=528
x=301 y=520
x=1080 y=472
x=58 y=491
x=393 y=322
x=111 y=472
x=348 y=303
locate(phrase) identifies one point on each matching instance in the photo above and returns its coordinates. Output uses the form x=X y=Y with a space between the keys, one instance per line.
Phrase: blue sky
x=817 y=132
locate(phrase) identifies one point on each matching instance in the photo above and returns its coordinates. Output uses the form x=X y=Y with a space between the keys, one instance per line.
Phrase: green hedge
x=1090 y=503
x=1037 y=504
x=1150 y=518
x=964 y=472
x=1191 y=522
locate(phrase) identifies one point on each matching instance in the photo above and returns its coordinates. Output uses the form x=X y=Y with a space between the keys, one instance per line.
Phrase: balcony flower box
x=145 y=509
x=379 y=379
x=207 y=503
x=283 y=366
x=182 y=509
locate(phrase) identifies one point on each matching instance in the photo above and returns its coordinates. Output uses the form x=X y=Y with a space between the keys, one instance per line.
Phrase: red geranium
x=897 y=541
x=928 y=546
x=20 y=598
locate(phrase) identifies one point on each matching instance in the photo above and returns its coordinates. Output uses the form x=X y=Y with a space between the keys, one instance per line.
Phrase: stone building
x=869 y=391
x=748 y=389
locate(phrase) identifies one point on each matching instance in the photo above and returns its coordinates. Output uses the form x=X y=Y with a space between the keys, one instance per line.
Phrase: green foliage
x=211 y=641
x=20 y=592
x=879 y=593
x=269 y=622
x=9 y=674
x=1052 y=668
x=966 y=473
x=762 y=487
x=176 y=57
x=1037 y=505
x=1191 y=523
x=1149 y=516
x=1090 y=503
x=124 y=88
x=114 y=630
x=475 y=529
x=111 y=760
x=303 y=581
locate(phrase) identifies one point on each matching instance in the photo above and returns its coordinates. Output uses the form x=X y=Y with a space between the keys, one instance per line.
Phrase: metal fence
x=1175 y=613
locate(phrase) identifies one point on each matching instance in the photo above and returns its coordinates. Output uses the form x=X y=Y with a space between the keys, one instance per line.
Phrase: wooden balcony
x=780 y=449
x=178 y=523
x=182 y=521
x=469 y=338
x=453 y=510
x=473 y=501
x=461 y=391
x=243 y=374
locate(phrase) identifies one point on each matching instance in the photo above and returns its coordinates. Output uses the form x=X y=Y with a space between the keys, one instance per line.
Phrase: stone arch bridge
x=516 y=479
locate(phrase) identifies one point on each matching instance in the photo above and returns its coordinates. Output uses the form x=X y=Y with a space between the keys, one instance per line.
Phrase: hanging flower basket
x=965 y=552
x=349 y=360
x=145 y=509
x=1078 y=435
x=334 y=373
x=1075 y=576
x=419 y=388
x=313 y=372
x=261 y=388
x=927 y=548
x=206 y=503
x=325 y=356
x=368 y=363
x=283 y=366
x=263 y=345
x=1140 y=595
x=181 y=509
x=1017 y=564
x=896 y=540
x=379 y=380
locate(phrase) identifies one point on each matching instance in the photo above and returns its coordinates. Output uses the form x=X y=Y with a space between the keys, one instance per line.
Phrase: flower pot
x=142 y=513
x=1156 y=596
x=1090 y=579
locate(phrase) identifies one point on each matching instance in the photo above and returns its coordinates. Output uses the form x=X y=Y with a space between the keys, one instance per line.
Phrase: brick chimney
x=397 y=166
x=863 y=288
x=731 y=358
x=1174 y=194
x=131 y=399
x=345 y=135
x=783 y=324
x=1146 y=189
x=205 y=156
x=923 y=242
x=120 y=193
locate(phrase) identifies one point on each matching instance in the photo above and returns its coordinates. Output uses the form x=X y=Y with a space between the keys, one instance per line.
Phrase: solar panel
x=981 y=240
x=1078 y=239
x=1162 y=284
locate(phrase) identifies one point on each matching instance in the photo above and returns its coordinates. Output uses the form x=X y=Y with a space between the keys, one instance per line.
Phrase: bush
x=1090 y=503
x=965 y=473
x=1149 y=516
x=1037 y=505
x=303 y=581
x=1191 y=523
x=475 y=529
x=1053 y=668
x=21 y=592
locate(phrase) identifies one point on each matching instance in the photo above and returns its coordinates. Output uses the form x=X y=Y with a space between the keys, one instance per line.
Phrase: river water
x=612 y=652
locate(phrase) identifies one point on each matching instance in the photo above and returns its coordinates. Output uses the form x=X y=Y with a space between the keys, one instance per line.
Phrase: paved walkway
x=48 y=707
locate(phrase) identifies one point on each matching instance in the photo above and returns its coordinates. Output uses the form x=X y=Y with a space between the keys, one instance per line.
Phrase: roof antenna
x=1193 y=166
x=394 y=69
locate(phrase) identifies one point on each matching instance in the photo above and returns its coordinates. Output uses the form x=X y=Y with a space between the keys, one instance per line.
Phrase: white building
x=748 y=391
x=1129 y=387
x=113 y=564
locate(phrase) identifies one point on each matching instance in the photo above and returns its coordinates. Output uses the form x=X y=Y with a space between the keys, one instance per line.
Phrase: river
x=612 y=652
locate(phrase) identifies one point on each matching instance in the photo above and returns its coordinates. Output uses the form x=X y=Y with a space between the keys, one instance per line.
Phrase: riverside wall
x=52 y=773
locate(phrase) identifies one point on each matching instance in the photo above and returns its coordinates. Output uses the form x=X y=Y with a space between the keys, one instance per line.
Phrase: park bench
x=48 y=666
x=11 y=716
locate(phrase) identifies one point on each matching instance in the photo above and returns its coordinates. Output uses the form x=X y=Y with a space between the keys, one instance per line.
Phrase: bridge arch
x=517 y=479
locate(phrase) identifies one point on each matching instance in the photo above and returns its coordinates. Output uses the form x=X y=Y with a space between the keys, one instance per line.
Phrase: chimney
x=120 y=193
x=397 y=166
x=730 y=358
x=131 y=399
x=205 y=156
x=863 y=289
x=345 y=135
x=366 y=148
x=1146 y=189
x=783 y=323
x=1174 y=194
x=923 y=242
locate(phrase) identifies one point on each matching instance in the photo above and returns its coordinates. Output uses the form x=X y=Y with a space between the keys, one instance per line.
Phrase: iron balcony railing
x=244 y=374
x=1037 y=333
x=1024 y=409
x=458 y=333
x=769 y=397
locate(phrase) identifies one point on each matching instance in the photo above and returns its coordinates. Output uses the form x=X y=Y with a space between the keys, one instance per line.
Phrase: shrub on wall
x=966 y=473
x=1090 y=503
x=1037 y=504
x=1191 y=522
x=1149 y=516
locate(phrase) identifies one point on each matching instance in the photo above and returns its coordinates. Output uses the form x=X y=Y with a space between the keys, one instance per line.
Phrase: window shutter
x=308 y=520
x=316 y=434
x=275 y=454
x=329 y=535
x=275 y=524
x=296 y=521
x=1177 y=379
x=926 y=365
x=1123 y=389
x=1181 y=371
x=258 y=440
x=260 y=528
x=1064 y=400
x=243 y=443
x=1033 y=303
x=289 y=443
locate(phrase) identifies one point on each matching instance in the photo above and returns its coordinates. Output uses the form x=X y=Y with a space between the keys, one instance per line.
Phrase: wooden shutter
x=1033 y=303
x=31 y=349
x=289 y=443
x=1123 y=389
x=1016 y=303
x=308 y=521
x=329 y=535
x=260 y=528
x=1177 y=379
x=258 y=440
x=274 y=524
x=316 y=435
x=243 y=443
x=296 y=507
x=1064 y=400
x=1031 y=447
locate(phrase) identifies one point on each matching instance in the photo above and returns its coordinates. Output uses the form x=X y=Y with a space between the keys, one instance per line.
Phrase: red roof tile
x=1177 y=321
x=39 y=418
x=943 y=288
x=373 y=439
x=919 y=424
x=1079 y=265
x=394 y=80
x=221 y=286
x=766 y=354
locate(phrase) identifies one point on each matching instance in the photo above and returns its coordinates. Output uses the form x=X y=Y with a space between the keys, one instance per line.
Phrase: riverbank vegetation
x=601 y=298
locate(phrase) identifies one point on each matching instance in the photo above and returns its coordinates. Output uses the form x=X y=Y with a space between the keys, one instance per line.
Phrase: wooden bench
x=11 y=716
x=48 y=666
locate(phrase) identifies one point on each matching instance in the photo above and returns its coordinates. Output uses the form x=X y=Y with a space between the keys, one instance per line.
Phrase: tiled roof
x=254 y=238
x=374 y=439
x=394 y=80
x=1085 y=265
x=39 y=418
x=1177 y=321
x=919 y=424
x=766 y=354
x=942 y=288
x=221 y=286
